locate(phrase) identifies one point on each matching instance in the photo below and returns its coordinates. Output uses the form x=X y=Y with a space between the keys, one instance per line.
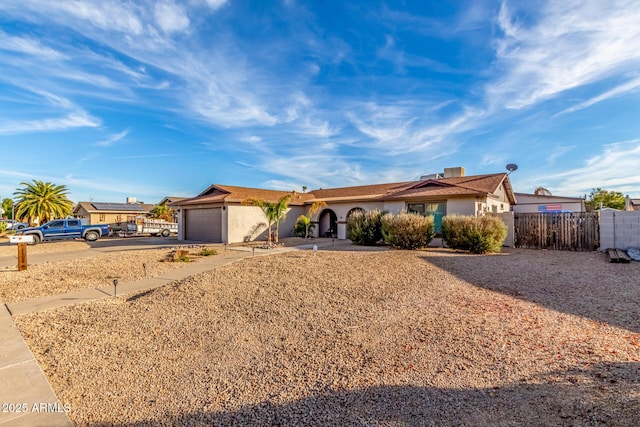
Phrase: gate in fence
x=567 y=231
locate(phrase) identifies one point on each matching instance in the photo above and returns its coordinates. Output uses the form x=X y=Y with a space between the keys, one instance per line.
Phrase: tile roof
x=229 y=193
x=442 y=188
x=171 y=199
x=458 y=186
x=366 y=191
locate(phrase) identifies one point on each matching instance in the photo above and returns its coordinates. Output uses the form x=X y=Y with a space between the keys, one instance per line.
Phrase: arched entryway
x=349 y=214
x=327 y=223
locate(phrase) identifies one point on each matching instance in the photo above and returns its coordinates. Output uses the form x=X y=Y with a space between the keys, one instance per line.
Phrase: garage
x=203 y=225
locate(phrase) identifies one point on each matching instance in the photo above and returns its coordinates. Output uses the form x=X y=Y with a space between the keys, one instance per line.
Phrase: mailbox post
x=22 y=242
x=22 y=256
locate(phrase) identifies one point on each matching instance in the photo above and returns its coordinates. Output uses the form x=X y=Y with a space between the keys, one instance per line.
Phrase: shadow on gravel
x=603 y=296
x=604 y=395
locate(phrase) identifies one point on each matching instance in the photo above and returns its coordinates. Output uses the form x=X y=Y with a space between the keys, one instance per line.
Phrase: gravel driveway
x=347 y=337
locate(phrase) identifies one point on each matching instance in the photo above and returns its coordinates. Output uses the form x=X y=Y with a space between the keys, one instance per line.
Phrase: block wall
x=619 y=229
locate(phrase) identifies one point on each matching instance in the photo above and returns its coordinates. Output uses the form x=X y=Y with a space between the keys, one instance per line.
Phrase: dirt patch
x=355 y=338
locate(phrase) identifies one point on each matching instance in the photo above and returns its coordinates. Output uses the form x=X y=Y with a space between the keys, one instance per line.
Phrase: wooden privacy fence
x=567 y=231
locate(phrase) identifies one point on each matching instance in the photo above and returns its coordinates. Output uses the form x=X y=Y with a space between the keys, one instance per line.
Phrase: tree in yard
x=162 y=212
x=609 y=199
x=273 y=211
x=42 y=200
x=306 y=219
x=541 y=191
x=7 y=205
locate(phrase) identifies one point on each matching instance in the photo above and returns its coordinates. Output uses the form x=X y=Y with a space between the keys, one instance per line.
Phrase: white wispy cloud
x=558 y=152
x=276 y=184
x=29 y=46
x=573 y=43
x=624 y=88
x=399 y=129
x=616 y=168
x=84 y=187
x=68 y=121
x=107 y=15
x=216 y=4
x=171 y=17
x=113 y=139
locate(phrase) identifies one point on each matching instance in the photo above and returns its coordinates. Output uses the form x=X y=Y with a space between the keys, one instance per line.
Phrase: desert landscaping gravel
x=351 y=337
x=99 y=270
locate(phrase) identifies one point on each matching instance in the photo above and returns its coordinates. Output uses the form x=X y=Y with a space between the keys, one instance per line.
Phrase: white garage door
x=203 y=225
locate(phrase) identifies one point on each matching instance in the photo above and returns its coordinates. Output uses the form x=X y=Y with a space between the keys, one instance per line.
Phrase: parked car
x=14 y=225
x=66 y=229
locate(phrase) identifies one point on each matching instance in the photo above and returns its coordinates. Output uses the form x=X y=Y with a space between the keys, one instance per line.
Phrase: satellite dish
x=512 y=167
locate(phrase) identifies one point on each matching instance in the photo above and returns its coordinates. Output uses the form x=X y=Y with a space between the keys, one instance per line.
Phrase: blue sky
x=156 y=98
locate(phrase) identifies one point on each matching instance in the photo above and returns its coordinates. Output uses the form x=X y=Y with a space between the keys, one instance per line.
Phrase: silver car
x=14 y=225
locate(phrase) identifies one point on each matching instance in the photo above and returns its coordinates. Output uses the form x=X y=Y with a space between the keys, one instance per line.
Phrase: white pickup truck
x=153 y=227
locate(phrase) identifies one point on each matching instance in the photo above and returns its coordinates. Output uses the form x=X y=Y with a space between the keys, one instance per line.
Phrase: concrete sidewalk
x=26 y=397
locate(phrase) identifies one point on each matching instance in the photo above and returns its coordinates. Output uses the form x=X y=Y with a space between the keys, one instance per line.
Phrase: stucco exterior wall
x=461 y=207
x=180 y=215
x=246 y=223
x=507 y=217
x=619 y=229
x=109 y=218
x=394 y=207
x=528 y=203
x=341 y=210
x=496 y=205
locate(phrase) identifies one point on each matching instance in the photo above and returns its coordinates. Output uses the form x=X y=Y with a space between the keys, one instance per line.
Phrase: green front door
x=430 y=209
x=437 y=210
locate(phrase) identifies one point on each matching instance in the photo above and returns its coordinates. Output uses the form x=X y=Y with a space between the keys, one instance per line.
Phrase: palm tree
x=306 y=219
x=42 y=200
x=7 y=205
x=280 y=211
x=541 y=191
x=273 y=211
x=162 y=212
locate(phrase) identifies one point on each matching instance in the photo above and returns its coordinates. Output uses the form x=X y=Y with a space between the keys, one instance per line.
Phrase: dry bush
x=408 y=230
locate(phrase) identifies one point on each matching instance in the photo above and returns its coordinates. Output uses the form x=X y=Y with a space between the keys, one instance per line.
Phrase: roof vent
x=432 y=176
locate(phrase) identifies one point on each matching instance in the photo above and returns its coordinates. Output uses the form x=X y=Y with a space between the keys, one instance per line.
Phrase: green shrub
x=408 y=230
x=3 y=227
x=475 y=234
x=183 y=258
x=208 y=252
x=365 y=228
x=454 y=230
x=300 y=228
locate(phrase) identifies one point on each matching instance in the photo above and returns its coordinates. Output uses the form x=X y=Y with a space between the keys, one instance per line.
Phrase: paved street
x=9 y=253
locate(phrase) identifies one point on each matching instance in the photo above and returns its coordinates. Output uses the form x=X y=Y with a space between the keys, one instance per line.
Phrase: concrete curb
x=26 y=396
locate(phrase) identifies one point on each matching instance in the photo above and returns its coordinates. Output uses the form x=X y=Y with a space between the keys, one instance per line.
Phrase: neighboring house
x=167 y=201
x=634 y=205
x=217 y=214
x=532 y=203
x=170 y=199
x=111 y=213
